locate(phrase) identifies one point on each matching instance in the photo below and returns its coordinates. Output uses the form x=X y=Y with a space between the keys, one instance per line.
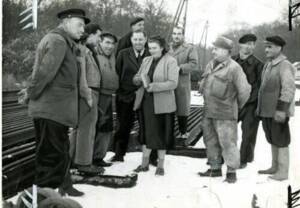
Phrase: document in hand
x=145 y=80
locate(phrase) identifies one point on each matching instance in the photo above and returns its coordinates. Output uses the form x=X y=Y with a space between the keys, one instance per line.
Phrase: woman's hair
x=161 y=42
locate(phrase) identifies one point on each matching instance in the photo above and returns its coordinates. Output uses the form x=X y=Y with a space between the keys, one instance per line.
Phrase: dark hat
x=276 y=40
x=222 y=42
x=68 y=13
x=92 y=28
x=110 y=35
x=248 y=38
x=136 y=20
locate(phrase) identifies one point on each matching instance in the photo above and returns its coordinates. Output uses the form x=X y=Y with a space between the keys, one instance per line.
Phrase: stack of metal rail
x=18 y=143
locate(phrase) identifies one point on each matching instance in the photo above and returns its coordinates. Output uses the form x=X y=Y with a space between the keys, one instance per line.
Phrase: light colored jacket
x=53 y=89
x=225 y=89
x=90 y=76
x=165 y=80
x=277 y=90
x=187 y=60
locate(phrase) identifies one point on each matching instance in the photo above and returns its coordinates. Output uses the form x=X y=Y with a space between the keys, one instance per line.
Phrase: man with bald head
x=225 y=90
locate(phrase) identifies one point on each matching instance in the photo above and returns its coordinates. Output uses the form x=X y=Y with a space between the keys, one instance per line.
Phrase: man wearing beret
x=137 y=24
x=109 y=85
x=187 y=60
x=53 y=100
x=276 y=105
x=252 y=67
x=225 y=90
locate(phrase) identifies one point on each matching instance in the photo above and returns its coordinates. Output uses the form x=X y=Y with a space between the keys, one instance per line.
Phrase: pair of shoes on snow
x=275 y=175
x=158 y=172
x=230 y=176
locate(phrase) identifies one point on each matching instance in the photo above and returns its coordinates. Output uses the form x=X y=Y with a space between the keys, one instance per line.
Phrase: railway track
x=18 y=143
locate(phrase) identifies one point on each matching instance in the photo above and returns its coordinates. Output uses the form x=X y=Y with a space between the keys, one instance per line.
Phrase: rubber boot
x=283 y=165
x=274 y=166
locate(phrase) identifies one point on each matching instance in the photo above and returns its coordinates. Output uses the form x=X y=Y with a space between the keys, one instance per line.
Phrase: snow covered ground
x=182 y=187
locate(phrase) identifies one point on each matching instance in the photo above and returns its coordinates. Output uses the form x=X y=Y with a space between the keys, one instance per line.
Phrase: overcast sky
x=225 y=14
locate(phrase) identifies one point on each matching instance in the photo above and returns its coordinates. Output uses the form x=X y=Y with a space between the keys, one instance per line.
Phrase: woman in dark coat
x=157 y=78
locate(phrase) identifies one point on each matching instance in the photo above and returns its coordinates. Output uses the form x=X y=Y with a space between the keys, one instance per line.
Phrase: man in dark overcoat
x=128 y=63
x=252 y=68
x=53 y=100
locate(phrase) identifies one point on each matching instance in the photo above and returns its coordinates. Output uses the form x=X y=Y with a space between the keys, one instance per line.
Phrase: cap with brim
x=136 y=20
x=222 y=42
x=247 y=38
x=69 y=13
x=108 y=34
x=276 y=40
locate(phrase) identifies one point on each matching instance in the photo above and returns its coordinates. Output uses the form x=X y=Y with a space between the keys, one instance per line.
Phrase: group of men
x=241 y=88
x=77 y=71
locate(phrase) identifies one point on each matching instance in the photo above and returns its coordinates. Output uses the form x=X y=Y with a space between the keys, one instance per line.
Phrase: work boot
x=160 y=171
x=70 y=191
x=230 y=177
x=141 y=169
x=101 y=163
x=211 y=173
x=274 y=166
x=117 y=158
x=283 y=165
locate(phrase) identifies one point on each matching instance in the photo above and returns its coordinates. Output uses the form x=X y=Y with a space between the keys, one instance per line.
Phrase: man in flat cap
x=108 y=87
x=276 y=105
x=225 y=90
x=252 y=67
x=53 y=100
x=187 y=60
x=137 y=24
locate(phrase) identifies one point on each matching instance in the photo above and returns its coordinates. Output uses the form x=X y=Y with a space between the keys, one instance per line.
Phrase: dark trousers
x=52 y=161
x=182 y=124
x=249 y=126
x=126 y=117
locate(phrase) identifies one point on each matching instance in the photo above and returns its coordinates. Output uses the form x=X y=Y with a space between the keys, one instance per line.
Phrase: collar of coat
x=60 y=30
x=277 y=60
x=249 y=60
x=210 y=67
x=179 y=49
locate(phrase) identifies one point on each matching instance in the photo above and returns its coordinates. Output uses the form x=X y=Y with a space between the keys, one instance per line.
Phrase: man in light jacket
x=276 y=105
x=225 y=90
x=109 y=86
x=187 y=61
x=53 y=100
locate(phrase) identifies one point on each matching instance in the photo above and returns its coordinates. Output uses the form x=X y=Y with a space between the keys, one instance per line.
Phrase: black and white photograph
x=150 y=103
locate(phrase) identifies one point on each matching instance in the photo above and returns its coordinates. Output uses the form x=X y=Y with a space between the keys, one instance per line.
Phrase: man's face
x=138 y=41
x=177 y=35
x=107 y=45
x=220 y=54
x=94 y=38
x=74 y=27
x=247 y=48
x=138 y=26
x=272 y=51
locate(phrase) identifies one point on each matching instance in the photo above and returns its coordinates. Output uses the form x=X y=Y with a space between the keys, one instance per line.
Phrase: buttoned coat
x=165 y=80
x=53 y=89
x=278 y=88
x=187 y=60
x=225 y=89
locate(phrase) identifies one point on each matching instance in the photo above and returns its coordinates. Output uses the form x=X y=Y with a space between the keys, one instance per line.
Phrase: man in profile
x=53 y=100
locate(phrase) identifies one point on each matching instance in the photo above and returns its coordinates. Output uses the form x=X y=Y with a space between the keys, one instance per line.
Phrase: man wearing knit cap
x=225 y=90
x=252 y=67
x=276 y=105
x=53 y=100
x=137 y=24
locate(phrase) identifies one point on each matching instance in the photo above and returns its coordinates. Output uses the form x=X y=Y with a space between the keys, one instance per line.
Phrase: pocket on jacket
x=219 y=87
